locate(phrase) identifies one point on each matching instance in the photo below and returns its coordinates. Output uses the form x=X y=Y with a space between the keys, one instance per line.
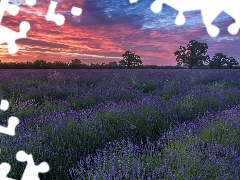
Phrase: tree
x=41 y=64
x=130 y=60
x=113 y=64
x=76 y=63
x=231 y=62
x=219 y=60
x=193 y=55
x=59 y=65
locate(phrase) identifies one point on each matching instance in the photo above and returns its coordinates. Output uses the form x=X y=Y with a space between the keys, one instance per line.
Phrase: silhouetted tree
x=231 y=62
x=40 y=64
x=193 y=54
x=220 y=60
x=59 y=65
x=113 y=64
x=28 y=65
x=76 y=63
x=130 y=60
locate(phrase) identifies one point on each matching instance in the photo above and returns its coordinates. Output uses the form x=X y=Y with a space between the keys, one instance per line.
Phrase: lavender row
x=66 y=115
x=192 y=151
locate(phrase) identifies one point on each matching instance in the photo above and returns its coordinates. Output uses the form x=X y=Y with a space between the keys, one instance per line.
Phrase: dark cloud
x=40 y=43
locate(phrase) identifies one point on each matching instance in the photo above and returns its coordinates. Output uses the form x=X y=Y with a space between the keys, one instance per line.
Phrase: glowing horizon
x=105 y=30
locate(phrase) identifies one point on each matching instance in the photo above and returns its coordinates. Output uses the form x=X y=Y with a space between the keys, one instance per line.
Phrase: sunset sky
x=107 y=28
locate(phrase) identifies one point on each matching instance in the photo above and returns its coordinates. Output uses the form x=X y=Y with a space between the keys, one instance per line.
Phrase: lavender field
x=124 y=124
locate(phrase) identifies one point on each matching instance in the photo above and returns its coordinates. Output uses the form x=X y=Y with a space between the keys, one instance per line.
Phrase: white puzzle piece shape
x=76 y=11
x=4 y=105
x=9 y=36
x=51 y=16
x=31 y=171
x=209 y=9
x=4 y=170
x=12 y=123
x=30 y=2
x=10 y=8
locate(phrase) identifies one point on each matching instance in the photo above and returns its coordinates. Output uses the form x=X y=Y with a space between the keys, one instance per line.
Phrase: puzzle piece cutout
x=133 y=1
x=30 y=2
x=10 y=8
x=4 y=105
x=76 y=11
x=31 y=171
x=51 y=16
x=4 y=170
x=10 y=36
x=209 y=9
x=7 y=35
x=59 y=18
x=12 y=121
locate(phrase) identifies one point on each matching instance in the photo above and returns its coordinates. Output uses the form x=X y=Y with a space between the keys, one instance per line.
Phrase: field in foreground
x=124 y=124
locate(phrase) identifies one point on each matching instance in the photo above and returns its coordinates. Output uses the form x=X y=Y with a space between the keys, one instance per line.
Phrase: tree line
x=192 y=56
x=75 y=64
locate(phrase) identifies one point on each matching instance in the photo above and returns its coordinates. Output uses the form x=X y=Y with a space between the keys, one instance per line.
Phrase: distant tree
x=28 y=65
x=40 y=64
x=76 y=63
x=59 y=65
x=113 y=64
x=220 y=60
x=192 y=55
x=130 y=60
x=231 y=62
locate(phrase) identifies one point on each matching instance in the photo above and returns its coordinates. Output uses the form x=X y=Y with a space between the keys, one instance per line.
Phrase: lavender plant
x=125 y=124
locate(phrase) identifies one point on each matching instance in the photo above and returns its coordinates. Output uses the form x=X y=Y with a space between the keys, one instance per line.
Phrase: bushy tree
x=231 y=62
x=76 y=63
x=192 y=55
x=40 y=64
x=130 y=60
x=219 y=60
x=59 y=65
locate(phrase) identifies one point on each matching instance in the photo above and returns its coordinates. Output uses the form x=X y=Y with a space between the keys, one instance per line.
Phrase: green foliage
x=76 y=63
x=32 y=83
x=36 y=96
x=220 y=60
x=221 y=132
x=150 y=123
x=66 y=143
x=216 y=85
x=144 y=87
x=232 y=97
x=190 y=106
x=169 y=94
x=130 y=60
x=40 y=64
x=231 y=62
x=193 y=55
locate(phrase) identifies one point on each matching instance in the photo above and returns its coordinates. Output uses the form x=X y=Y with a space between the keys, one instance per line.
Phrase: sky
x=108 y=28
